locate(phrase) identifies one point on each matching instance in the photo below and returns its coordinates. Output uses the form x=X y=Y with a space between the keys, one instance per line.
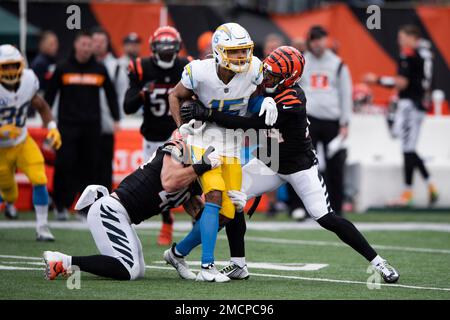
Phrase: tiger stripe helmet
x=283 y=67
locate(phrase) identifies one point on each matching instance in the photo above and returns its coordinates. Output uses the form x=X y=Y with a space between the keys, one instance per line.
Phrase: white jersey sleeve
x=191 y=75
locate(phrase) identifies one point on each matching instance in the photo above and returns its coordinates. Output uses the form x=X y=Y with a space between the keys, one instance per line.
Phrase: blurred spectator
x=272 y=42
x=102 y=53
x=131 y=48
x=328 y=87
x=78 y=80
x=45 y=62
x=299 y=43
x=204 y=45
x=414 y=83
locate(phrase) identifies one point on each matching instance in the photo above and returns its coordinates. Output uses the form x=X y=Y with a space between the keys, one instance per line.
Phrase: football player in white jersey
x=226 y=83
x=18 y=88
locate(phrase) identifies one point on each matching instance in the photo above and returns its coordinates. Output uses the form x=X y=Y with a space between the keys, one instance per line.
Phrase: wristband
x=51 y=125
x=200 y=168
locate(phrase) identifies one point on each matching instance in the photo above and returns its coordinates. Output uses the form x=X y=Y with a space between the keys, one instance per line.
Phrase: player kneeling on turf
x=164 y=182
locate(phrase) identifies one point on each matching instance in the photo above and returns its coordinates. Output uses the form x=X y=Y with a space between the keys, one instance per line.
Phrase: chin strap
x=165 y=64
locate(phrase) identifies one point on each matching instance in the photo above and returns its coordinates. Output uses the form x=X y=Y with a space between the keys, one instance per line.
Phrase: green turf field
x=422 y=257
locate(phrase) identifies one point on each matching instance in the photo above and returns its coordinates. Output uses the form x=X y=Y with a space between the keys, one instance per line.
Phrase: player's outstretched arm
x=176 y=97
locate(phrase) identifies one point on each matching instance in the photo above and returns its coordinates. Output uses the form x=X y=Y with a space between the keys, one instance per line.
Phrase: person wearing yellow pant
x=224 y=83
x=18 y=87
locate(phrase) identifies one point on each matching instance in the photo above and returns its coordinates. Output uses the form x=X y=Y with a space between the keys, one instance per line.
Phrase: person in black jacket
x=78 y=80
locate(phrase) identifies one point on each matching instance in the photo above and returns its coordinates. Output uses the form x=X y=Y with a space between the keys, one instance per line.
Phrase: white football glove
x=189 y=129
x=269 y=106
x=238 y=198
x=214 y=159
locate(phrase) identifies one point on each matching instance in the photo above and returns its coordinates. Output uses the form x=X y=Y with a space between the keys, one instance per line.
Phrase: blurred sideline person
x=102 y=53
x=166 y=181
x=18 y=150
x=44 y=63
x=131 y=46
x=271 y=42
x=151 y=79
x=79 y=80
x=413 y=82
x=297 y=164
x=328 y=87
x=204 y=45
x=226 y=83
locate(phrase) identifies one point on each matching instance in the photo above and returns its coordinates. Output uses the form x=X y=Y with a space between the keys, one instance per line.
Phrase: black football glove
x=194 y=110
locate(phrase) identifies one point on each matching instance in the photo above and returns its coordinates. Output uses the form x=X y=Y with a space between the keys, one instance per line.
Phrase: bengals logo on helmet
x=284 y=66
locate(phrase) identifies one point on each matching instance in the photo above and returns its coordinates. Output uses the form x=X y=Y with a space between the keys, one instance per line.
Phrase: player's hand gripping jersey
x=201 y=77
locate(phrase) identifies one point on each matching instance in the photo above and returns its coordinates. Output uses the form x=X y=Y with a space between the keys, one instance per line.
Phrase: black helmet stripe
x=291 y=62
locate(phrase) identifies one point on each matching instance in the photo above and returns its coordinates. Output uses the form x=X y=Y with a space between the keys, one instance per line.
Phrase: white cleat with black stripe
x=234 y=272
x=388 y=272
x=179 y=264
x=211 y=274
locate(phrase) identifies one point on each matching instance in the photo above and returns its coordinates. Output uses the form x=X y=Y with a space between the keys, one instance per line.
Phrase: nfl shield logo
x=226 y=90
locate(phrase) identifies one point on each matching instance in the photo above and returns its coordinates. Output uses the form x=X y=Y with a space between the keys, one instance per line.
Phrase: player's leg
x=8 y=186
x=120 y=249
x=31 y=162
x=257 y=179
x=310 y=186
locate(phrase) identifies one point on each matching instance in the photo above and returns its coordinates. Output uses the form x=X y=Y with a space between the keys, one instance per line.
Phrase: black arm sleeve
x=53 y=86
x=133 y=99
x=111 y=96
x=238 y=122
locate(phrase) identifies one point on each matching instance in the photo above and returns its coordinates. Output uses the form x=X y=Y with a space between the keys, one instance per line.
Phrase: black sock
x=410 y=162
x=235 y=232
x=104 y=266
x=167 y=218
x=421 y=166
x=348 y=233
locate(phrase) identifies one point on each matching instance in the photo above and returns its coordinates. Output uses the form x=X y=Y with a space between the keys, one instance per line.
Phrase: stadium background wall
x=362 y=49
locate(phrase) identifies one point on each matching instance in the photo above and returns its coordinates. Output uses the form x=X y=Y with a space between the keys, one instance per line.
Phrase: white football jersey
x=14 y=106
x=201 y=77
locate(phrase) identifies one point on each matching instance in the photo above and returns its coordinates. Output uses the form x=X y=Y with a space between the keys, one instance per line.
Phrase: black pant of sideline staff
x=76 y=162
x=325 y=131
x=105 y=163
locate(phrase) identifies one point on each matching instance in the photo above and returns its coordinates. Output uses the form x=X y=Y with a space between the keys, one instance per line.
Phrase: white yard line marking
x=251 y=225
x=318 y=243
x=268 y=265
x=321 y=280
x=12 y=268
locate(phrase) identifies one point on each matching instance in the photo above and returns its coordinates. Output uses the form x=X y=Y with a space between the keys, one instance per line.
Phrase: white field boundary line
x=251 y=225
x=321 y=243
x=2 y=267
x=322 y=280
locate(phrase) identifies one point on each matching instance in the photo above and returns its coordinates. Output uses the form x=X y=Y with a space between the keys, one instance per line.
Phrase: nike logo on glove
x=285 y=107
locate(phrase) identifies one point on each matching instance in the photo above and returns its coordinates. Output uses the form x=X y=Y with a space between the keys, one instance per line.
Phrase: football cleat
x=211 y=274
x=388 y=272
x=165 y=235
x=43 y=233
x=53 y=265
x=433 y=195
x=62 y=215
x=178 y=263
x=11 y=211
x=234 y=272
x=405 y=200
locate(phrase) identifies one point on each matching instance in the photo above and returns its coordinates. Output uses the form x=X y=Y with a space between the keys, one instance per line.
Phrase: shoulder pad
x=257 y=71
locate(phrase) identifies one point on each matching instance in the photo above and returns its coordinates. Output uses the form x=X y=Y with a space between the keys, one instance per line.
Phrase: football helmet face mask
x=12 y=64
x=282 y=68
x=165 y=44
x=232 y=47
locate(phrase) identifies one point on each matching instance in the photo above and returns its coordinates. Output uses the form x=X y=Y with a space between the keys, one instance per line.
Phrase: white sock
x=41 y=215
x=67 y=261
x=376 y=260
x=239 y=261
